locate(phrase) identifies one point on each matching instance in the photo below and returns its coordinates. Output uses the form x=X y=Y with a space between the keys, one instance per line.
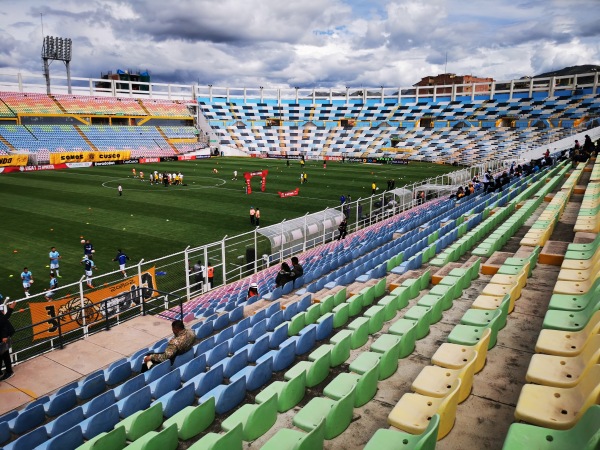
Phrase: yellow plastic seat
x=455 y=356
x=413 y=412
x=567 y=343
x=575 y=287
x=579 y=269
x=563 y=371
x=437 y=381
x=558 y=408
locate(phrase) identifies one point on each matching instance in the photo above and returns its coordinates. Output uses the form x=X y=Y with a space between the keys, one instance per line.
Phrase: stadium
x=438 y=322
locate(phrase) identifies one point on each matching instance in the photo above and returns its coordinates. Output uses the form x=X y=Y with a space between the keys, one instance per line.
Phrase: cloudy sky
x=307 y=43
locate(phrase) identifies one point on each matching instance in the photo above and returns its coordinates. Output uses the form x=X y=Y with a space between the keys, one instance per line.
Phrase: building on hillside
x=466 y=83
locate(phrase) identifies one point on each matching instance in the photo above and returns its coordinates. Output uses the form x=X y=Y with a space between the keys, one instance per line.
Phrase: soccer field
x=59 y=208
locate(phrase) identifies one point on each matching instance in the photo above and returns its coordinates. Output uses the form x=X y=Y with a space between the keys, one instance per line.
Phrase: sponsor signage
x=289 y=193
x=13 y=160
x=123 y=296
x=186 y=157
x=79 y=164
x=105 y=163
x=64 y=157
x=149 y=160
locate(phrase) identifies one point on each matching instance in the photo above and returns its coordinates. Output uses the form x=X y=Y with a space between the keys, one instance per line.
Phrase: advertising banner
x=13 y=160
x=123 y=295
x=98 y=156
x=289 y=193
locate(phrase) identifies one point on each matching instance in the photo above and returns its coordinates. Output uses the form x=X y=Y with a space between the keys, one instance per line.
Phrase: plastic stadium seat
x=232 y=440
x=103 y=421
x=435 y=381
x=141 y=422
x=455 y=356
x=256 y=419
x=60 y=403
x=91 y=386
x=28 y=441
x=117 y=372
x=204 y=346
x=166 y=439
x=256 y=376
x=64 y=422
x=206 y=381
x=158 y=371
x=470 y=335
x=115 y=439
x=364 y=376
x=278 y=335
x=387 y=349
x=98 y=403
x=192 y=368
x=228 y=396
x=567 y=343
x=413 y=411
x=584 y=435
x=69 y=439
x=133 y=403
x=166 y=383
x=27 y=420
x=325 y=326
x=391 y=439
x=130 y=386
x=288 y=439
x=558 y=408
x=289 y=392
x=570 y=320
x=337 y=413
x=407 y=329
x=193 y=420
x=305 y=341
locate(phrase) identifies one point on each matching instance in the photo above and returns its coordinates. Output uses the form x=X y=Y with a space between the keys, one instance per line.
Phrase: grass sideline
x=56 y=208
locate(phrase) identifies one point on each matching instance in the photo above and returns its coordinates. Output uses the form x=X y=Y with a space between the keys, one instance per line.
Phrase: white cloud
x=248 y=43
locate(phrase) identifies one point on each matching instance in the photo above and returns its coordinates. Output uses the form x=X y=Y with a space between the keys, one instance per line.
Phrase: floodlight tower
x=56 y=49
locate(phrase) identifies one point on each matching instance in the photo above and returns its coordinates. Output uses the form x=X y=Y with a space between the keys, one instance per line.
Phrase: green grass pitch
x=56 y=208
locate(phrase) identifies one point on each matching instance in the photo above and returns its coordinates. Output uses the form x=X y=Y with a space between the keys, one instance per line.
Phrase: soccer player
x=89 y=267
x=121 y=258
x=120 y=189
x=27 y=278
x=52 y=289
x=54 y=258
x=88 y=249
x=234 y=175
x=133 y=172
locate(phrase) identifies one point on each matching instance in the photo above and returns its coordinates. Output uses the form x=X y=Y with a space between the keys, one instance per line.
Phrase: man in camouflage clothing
x=182 y=342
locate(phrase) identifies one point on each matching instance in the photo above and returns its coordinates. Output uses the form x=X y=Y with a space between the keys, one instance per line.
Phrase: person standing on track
x=252 y=216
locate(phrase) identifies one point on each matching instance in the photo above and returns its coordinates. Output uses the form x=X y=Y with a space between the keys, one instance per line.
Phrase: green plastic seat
x=232 y=440
x=393 y=439
x=320 y=363
x=193 y=420
x=456 y=282
x=413 y=286
x=166 y=439
x=482 y=317
x=312 y=314
x=585 y=435
x=327 y=304
x=583 y=251
x=403 y=294
x=470 y=335
x=341 y=314
x=443 y=289
x=368 y=295
x=342 y=344
x=376 y=315
x=570 y=320
x=142 y=421
x=256 y=419
x=287 y=439
x=339 y=296
x=289 y=392
x=436 y=303
x=390 y=306
x=379 y=288
x=365 y=384
x=360 y=331
x=355 y=304
x=407 y=329
x=115 y=439
x=567 y=302
x=296 y=324
x=388 y=347
x=423 y=317
x=337 y=413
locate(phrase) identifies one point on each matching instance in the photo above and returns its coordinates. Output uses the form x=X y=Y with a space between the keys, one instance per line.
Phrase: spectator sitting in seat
x=252 y=291
x=297 y=269
x=178 y=345
x=284 y=275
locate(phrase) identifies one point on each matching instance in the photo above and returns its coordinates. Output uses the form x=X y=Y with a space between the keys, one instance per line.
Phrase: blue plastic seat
x=203 y=329
x=272 y=309
x=207 y=381
x=275 y=320
x=258 y=329
x=306 y=339
x=259 y=348
x=278 y=335
x=234 y=363
x=91 y=386
x=157 y=371
x=67 y=440
x=175 y=401
x=27 y=420
x=260 y=315
x=224 y=335
x=324 y=327
x=98 y=403
x=204 y=346
x=192 y=368
x=129 y=387
x=256 y=376
x=134 y=402
x=304 y=302
x=287 y=287
x=28 y=441
x=136 y=359
x=242 y=325
x=221 y=322
x=169 y=382
x=60 y=403
x=290 y=311
x=227 y=396
x=65 y=421
x=117 y=372
x=238 y=341
x=217 y=354
x=282 y=357
x=236 y=314
x=100 y=422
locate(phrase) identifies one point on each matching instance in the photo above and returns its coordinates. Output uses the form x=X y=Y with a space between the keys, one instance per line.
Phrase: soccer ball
x=93 y=251
x=31 y=282
x=83 y=241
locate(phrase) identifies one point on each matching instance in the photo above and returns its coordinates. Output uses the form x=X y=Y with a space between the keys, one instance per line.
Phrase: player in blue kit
x=27 y=278
x=121 y=258
x=88 y=249
x=54 y=259
x=52 y=289
x=89 y=266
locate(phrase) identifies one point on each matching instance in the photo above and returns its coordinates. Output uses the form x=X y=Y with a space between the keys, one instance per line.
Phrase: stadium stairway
x=362 y=316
